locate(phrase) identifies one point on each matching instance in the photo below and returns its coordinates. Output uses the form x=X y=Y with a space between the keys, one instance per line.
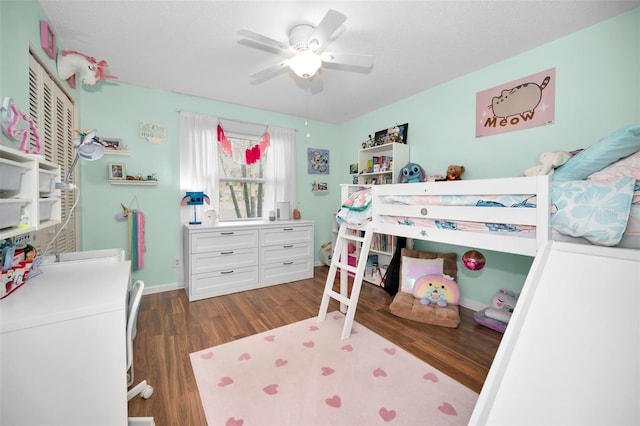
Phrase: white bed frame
x=573 y=369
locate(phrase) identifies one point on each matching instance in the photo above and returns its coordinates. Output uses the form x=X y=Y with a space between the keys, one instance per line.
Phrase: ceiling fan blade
x=325 y=29
x=269 y=72
x=259 y=38
x=351 y=59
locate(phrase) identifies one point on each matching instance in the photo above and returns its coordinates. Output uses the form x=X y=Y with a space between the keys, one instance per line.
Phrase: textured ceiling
x=191 y=47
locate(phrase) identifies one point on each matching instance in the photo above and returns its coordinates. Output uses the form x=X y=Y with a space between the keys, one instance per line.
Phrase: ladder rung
x=353 y=237
x=340 y=298
x=346 y=266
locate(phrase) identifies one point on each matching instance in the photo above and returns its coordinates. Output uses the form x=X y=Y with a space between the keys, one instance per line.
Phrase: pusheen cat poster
x=519 y=104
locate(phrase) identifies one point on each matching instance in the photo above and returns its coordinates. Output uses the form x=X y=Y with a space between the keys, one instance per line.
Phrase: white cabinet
x=28 y=198
x=381 y=164
x=231 y=257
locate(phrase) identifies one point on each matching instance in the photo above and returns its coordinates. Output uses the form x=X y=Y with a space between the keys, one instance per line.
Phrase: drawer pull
x=226 y=233
x=287 y=229
x=287 y=263
x=226 y=252
x=288 y=246
x=227 y=272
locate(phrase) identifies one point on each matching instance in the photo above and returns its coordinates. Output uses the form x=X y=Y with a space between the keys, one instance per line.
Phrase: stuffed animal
x=549 y=161
x=412 y=173
x=440 y=290
x=90 y=71
x=454 y=172
x=502 y=305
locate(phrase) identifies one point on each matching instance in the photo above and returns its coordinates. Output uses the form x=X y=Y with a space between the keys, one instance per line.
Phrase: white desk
x=63 y=346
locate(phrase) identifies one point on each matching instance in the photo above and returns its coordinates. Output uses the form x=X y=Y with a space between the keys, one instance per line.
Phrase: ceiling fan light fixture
x=305 y=63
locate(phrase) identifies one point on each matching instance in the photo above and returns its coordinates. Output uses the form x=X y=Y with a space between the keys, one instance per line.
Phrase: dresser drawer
x=282 y=272
x=223 y=259
x=286 y=235
x=223 y=239
x=285 y=252
x=224 y=281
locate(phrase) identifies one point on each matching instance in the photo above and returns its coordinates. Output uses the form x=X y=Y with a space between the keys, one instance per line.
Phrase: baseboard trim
x=163 y=287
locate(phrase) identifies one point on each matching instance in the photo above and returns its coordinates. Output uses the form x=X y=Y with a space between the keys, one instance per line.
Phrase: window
x=237 y=191
x=241 y=187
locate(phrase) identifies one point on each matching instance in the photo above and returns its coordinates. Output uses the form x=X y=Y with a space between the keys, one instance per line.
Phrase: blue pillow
x=594 y=210
x=608 y=150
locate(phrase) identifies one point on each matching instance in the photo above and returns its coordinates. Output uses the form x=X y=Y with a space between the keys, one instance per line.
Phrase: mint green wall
x=598 y=81
x=115 y=110
x=597 y=91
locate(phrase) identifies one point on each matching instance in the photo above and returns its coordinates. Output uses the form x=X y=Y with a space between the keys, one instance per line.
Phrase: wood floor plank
x=170 y=328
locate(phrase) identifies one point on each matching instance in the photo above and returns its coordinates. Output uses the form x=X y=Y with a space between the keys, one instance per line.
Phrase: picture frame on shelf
x=111 y=144
x=396 y=134
x=116 y=171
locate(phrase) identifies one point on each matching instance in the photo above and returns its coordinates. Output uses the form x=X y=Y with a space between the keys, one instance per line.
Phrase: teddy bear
x=549 y=161
x=454 y=172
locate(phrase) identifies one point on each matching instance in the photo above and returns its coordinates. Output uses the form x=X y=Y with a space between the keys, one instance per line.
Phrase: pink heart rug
x=303 y=374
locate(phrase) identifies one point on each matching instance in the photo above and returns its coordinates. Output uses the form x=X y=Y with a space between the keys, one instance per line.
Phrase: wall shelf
x=117 y=152
x=133 y=182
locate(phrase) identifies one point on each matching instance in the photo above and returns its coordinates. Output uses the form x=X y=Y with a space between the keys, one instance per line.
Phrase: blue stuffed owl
x=412 y=173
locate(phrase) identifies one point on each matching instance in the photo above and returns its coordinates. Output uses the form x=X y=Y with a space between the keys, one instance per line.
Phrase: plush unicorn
x=70 y=62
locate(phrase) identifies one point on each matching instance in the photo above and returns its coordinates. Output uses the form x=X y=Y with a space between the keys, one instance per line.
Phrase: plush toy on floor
x=498 y=315
x=436 y=289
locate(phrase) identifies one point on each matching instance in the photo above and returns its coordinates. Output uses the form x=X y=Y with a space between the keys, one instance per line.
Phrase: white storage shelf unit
x=27 y=185
x=395 y=155
x=232 y=256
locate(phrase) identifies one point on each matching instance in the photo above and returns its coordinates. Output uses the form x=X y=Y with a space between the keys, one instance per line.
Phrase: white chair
x=142 y=388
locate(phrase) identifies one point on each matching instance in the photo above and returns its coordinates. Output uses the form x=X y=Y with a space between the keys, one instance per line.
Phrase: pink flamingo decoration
x=70 y=63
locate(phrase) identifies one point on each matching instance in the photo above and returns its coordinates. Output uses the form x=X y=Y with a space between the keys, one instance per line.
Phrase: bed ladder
x=340 y=260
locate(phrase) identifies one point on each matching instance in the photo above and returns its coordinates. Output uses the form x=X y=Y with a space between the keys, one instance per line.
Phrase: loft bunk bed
x=519 y=215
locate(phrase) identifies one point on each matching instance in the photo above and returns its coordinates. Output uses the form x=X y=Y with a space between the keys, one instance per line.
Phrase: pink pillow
x=414 y=268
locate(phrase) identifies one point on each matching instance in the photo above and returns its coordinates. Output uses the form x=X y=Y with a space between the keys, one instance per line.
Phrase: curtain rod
x=227 y=119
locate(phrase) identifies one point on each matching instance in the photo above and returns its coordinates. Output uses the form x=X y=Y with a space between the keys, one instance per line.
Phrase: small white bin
x=46 y=181
x=10 y=211
x=45 y=208
x=11 y=175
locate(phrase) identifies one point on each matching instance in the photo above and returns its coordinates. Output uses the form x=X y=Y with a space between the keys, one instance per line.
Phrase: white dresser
x=235 y=256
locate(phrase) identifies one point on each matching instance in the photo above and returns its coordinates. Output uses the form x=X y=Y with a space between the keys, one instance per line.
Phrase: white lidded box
x=10 y=211
x=46 y=181
x=45 y=208
x=11 y=175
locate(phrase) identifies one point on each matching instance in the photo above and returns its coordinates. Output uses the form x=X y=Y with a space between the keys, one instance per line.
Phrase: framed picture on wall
x=116 y=171
x=111 y=144
x=317 y=161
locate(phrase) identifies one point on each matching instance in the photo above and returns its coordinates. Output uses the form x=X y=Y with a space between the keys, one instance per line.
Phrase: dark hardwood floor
x=169 y=328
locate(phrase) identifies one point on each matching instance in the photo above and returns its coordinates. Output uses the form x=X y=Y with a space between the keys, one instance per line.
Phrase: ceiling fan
x=304 y=51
